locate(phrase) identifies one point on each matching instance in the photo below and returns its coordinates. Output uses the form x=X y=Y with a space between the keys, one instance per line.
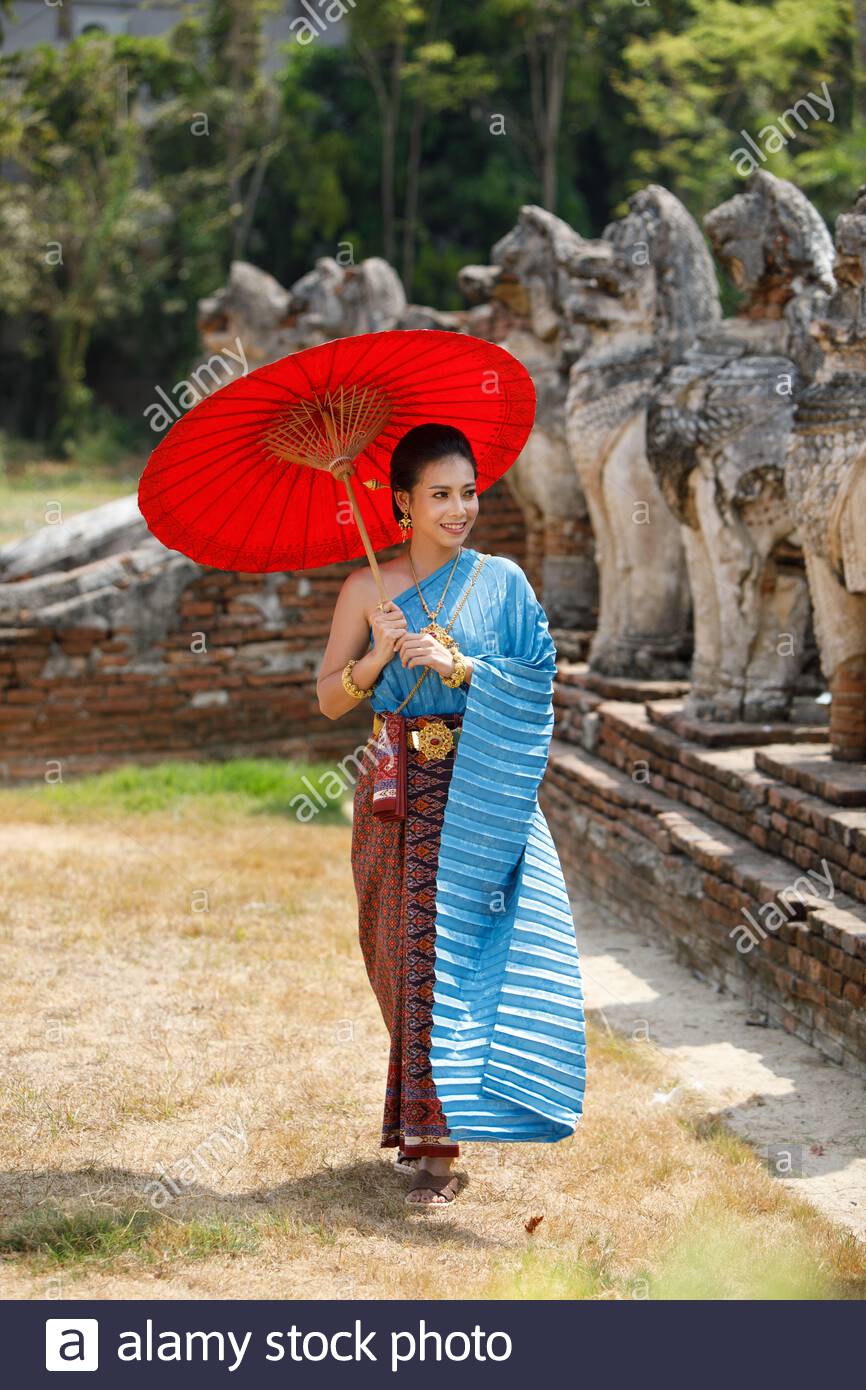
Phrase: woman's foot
x=433 y=1184
x=405 y=1163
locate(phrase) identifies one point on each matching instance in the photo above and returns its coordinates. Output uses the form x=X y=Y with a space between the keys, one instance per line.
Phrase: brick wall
x=690 y=839
x=751 y=859
x=78 y=695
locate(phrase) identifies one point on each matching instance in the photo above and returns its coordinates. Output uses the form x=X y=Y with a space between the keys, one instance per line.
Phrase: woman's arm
x=350 y=637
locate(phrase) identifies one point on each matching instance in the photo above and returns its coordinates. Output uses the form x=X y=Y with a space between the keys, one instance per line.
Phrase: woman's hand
x=423 y=649
x=389 y=625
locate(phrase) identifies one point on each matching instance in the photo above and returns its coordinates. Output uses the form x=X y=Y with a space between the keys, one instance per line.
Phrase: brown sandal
x=446 y=1185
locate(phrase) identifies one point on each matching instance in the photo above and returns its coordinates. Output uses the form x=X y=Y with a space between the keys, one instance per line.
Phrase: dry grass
x=176 y=974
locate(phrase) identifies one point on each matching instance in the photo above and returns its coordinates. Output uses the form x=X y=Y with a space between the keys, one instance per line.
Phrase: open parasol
x=261 y=475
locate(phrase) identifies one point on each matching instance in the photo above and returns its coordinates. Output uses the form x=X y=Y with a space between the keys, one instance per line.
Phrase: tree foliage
x=139 y=168
x=80 y=233
x=733 y=68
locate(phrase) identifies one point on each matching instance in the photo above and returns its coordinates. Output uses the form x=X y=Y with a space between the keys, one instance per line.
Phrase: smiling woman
x=464 y=921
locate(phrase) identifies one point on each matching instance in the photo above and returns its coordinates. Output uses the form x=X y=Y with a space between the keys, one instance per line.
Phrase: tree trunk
x=241 y=56
x=388 y=102
x=860 y=59
x=70 y=351
x=547 y=58
x=413 y=170
x=390 y=152
x=410 y=211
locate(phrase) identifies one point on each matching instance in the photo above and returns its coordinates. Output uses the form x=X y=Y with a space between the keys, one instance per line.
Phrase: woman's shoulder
x=503 y=565
x=362 y=580
x=361 y=592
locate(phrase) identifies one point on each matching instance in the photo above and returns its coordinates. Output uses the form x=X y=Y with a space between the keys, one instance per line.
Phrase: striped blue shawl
x=507 y=1044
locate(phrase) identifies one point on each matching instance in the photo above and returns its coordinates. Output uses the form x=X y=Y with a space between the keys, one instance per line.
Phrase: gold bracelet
x=458 y=675
x=349 y=685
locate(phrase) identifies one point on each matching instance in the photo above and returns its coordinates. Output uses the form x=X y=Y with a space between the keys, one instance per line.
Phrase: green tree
x=732 y=68
x=82 y=237
x=549 y=31
x=438 y=81
x=6 y=12
x=248 y=104
x=139 y=164
x=381 y=37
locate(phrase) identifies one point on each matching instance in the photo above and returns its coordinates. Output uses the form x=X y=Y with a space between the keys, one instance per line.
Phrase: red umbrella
x=255 y=477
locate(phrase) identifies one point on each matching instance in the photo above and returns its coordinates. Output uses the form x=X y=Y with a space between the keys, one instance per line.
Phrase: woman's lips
x=455 y=529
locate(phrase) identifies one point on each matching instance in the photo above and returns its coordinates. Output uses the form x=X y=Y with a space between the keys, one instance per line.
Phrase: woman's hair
x=422 y=445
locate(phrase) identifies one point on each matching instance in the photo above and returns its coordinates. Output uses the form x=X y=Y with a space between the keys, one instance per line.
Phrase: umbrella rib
x=187 y=475
x=228 y=516
x=264 y=502
x=382 y=365
x=294 y=477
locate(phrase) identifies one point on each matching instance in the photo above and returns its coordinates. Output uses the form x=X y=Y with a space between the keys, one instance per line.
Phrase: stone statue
x=637 y=297
x=825 y=480
x=255 y=313
x=518 y=299
x=717 y=434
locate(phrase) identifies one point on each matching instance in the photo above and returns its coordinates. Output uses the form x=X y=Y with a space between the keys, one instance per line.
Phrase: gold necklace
x=440 y=633
x=427 y=669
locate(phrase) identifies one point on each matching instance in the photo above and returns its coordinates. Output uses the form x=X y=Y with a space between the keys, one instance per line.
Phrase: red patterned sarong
x=394 y=863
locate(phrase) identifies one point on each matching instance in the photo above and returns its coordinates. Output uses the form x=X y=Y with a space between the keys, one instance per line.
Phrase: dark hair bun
x=422 y=445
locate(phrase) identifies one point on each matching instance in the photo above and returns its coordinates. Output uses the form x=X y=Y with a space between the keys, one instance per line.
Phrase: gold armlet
x=349 y=685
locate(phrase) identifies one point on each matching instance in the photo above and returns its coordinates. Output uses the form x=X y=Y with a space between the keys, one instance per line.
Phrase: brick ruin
x=690 y=508
x=721 y=844
x=186 y=662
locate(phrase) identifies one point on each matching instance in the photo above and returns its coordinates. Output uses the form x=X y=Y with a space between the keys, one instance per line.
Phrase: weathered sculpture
x=637 y=298
x=717 y=434
x=101 y=568
x=611 y=329
x=825 y=481
x=330 y=301
x=520 y=297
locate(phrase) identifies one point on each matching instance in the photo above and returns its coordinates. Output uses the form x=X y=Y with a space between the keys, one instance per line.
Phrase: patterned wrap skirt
x=394 y=864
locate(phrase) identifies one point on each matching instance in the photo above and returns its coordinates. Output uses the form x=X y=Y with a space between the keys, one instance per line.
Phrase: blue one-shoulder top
x=477 y=631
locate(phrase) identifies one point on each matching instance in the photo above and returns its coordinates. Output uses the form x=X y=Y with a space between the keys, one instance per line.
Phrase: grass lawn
x=35 y=490
x=193 y=1080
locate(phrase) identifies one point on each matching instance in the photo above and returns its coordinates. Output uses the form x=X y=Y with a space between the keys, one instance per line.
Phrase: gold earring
x=405 y=523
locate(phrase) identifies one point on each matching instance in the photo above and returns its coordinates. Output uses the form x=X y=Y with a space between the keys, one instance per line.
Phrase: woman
x=464 y=920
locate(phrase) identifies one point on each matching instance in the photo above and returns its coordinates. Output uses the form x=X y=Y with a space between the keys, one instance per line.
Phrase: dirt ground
x=192 y=1085
x=771 y=1088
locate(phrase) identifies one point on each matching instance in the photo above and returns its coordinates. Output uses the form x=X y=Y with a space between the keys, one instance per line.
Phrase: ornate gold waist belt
x=435 y=739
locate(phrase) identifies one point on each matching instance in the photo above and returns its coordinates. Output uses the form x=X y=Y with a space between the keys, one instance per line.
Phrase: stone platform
x=750 y=858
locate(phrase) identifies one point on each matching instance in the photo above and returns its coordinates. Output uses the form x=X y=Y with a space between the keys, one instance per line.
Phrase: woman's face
x=443 y=504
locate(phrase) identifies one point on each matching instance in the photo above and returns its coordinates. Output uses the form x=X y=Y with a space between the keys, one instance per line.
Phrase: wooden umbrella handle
x=359 y=522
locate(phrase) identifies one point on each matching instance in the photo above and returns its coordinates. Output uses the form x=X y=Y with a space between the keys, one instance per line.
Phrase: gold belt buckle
x=435 y=739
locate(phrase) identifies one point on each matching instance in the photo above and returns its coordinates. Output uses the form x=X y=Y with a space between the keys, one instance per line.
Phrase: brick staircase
x=743 y=845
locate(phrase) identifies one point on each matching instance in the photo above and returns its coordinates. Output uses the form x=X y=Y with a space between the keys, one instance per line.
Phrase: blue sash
x=507 y=1048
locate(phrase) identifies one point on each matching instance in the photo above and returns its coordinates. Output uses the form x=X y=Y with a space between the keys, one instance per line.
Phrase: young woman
x=464 y=920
